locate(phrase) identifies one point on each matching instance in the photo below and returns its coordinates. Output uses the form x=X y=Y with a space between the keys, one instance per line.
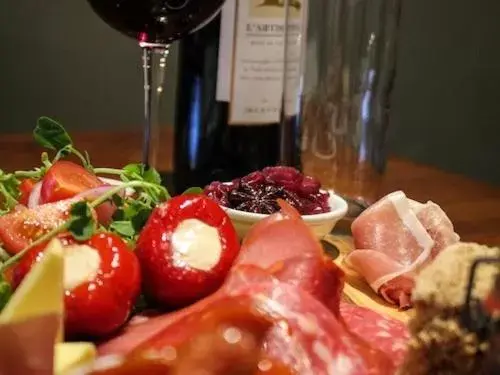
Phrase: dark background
x=58 y=59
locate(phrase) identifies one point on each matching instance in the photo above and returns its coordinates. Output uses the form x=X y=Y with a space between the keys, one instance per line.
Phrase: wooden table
x=474 y=207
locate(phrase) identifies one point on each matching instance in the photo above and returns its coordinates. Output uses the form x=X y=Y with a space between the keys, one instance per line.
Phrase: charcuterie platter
x=111 y=275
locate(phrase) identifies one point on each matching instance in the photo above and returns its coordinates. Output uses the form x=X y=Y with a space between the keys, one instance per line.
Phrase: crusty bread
x=439 y=343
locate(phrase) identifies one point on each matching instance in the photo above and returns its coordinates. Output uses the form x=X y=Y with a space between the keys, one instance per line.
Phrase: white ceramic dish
x=321 y=224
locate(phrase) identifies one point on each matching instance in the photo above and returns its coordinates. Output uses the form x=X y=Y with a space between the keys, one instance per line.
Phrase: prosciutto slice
x=394 y=239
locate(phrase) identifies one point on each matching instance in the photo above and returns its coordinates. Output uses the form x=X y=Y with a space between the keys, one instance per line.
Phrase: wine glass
x=155 y=24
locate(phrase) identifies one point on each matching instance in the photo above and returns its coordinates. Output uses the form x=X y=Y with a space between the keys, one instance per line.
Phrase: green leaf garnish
x=5 y=293
x=81 y=223
x=151 y=175
x=9 y=191
x=140 y=219
x=193 y=190
x=4 y=255
x=139 y=172
x=50 y=134
x=123 y=228
x=117 y=200
x=133 y=172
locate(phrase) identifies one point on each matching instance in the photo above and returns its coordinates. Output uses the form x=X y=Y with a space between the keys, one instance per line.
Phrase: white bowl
x=321 y=224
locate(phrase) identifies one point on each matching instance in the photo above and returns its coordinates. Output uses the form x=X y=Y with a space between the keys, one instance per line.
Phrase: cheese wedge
x=68 y=356
x=41 y=292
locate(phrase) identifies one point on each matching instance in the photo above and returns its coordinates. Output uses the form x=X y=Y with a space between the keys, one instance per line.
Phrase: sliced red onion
x=113 y=182
x=34 y=198
x=95 y=193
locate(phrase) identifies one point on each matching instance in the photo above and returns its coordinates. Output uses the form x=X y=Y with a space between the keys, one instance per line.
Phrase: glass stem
x=154 y=62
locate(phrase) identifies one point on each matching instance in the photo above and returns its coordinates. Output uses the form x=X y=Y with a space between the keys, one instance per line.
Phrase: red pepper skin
x=98 y=307
x=178 y=285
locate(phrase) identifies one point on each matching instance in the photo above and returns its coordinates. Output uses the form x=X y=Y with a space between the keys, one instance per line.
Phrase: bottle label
x=252 y=59
x=253 y=84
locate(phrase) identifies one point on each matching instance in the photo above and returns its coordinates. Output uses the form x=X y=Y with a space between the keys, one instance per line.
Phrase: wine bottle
x=229 y=96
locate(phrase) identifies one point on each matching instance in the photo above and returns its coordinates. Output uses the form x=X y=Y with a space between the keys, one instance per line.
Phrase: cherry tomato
x=22 y=226
x=65 y=179
x=186 y=250
x=102 y=283
x=25 y=189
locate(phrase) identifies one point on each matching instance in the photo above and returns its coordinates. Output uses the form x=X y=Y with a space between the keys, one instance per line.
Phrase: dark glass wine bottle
x=223 y=128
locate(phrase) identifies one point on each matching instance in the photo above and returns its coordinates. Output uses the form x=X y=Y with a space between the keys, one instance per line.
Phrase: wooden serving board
x=356 y=289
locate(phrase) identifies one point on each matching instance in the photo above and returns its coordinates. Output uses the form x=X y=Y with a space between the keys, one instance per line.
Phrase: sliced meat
x=247 y=274
x=375 y=330
x=27 y=347
x=143 y=327
x=438 y=225
x=277 y=238
x=285 y=279
x=228 y=340
x=284 y=246
x=296 y=260
x=305 y=335
x=321 y=277
x=394 y=239
x=385 y=275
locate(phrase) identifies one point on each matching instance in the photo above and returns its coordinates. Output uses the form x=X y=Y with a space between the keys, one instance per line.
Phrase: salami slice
x=305 y=336
x=388 y=335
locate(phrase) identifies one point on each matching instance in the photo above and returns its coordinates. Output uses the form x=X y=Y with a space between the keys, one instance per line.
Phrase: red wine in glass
x=155 y=24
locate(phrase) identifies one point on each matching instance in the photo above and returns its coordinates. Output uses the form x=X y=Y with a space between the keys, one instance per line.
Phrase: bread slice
x=439 y=343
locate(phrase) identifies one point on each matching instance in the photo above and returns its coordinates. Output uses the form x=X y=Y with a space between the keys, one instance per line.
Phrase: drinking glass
x=155 y=24
x=342 y=100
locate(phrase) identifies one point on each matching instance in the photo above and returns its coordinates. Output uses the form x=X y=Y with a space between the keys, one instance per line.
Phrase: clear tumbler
x=341 y=104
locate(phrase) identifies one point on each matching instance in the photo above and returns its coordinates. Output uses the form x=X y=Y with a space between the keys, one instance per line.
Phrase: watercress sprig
x=5 y=292
x=52 y=135
x=9 y=191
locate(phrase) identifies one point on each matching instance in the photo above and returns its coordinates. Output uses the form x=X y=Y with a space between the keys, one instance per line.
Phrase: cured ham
x=394 y=239
x=277 y=238
x=284 y=247
x=27 y=347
